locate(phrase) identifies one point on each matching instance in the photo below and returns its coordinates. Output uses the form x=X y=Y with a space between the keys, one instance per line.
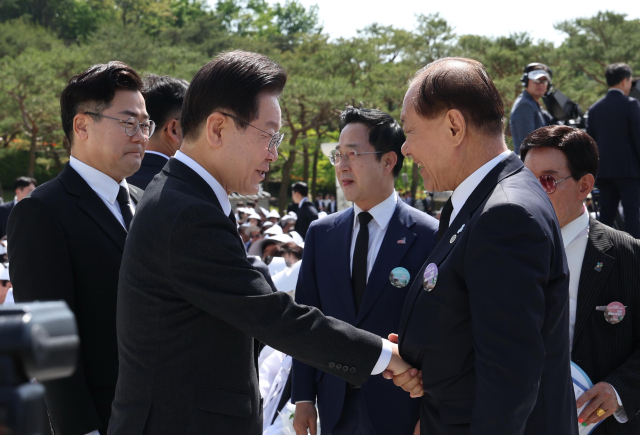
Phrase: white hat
x=3 y=250
x=251 y=229
x=277 y=264
x=538 y=73
x=267 y=224
x=274 y=230
x=297 y=238
x=293 y=213
x=286 y=279
x=254 y=215
x=256 y=247
x=4 y=272
x=264 y=211
x=288 y=218
x=273 y=214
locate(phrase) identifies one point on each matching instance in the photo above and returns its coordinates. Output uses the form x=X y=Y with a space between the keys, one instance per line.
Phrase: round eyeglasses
x=276 y=139
x=549 y=183
x=131 y=125
x=335 y=157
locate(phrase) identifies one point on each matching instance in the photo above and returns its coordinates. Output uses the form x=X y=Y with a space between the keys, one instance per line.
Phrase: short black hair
x=232 y=81
x=94 y=89
x=579 y=148
x=300 y=187
x=163 y=96
x=617 y=72
x=385 y=134
x=22 y=182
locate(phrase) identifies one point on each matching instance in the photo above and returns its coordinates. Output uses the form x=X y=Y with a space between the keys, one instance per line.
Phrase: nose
x=272 y=154
x=405 y=149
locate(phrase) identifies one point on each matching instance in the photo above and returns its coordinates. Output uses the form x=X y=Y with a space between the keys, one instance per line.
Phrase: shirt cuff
x=304 y=401
x=385 y=358
x=620 y=414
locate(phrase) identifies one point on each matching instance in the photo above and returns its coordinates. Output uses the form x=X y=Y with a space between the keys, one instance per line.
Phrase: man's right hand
x=403 y=375
x=305 y=417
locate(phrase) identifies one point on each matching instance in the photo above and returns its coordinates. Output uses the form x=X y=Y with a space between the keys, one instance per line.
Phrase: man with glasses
x=163 y=97
x=68 y=236
x=604 y=267
x=357 y=266
x=188 y=315
x=527 y=113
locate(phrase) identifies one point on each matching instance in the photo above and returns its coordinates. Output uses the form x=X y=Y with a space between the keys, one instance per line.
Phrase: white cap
x=4 y=272
x=256 y=247
x=254 y=215
x=264 y=211
x=293 y=213
x=297 y=238
x=537 y=74
x=288 y=218
x=273 y=214
x=274 y=230
x=286 y=279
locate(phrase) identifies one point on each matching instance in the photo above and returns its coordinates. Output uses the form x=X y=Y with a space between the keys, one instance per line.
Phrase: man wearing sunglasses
x=68 y=236
x=604 y=267
x=527 y=113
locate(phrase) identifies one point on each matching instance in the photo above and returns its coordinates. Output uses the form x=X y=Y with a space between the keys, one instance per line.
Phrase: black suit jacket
x=188 y=315
x=152 y=164
x=606 y=352
x=614 y=123
x=307 y=213
x=66 y=244
x=5 y=211
x=492 y=337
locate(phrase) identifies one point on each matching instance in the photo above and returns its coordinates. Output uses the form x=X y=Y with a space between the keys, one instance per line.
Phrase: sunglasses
x=549 y=183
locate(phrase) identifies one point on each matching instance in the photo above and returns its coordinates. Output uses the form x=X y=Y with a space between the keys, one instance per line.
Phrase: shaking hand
x=403 y=375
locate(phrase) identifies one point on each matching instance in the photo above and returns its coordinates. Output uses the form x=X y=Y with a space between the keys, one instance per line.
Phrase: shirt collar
x=221 y=194
x=466 y=188
x=571 y=230
x=157 y=154
x=616 y=89
x=302 y=201
x=101 y=183
x=381 y=213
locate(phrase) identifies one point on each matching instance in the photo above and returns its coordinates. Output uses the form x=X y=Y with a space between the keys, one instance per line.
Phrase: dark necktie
x=125 y=206
x=445 y=217
x=359 y=268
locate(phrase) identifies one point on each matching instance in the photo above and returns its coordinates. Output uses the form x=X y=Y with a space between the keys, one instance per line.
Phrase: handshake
x=403 y=375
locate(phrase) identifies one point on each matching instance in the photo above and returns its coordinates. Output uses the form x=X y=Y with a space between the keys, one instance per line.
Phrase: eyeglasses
x=276 y=139
x=131 y=125
x=549 y=183
x=539 y=81
x=335 y=157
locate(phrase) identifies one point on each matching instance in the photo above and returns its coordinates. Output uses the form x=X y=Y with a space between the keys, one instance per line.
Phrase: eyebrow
x=550 y=171
x=134 y=114
x=274 y=124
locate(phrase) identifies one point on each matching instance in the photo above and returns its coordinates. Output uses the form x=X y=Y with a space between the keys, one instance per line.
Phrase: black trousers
x=354 y=419
x=627 y=191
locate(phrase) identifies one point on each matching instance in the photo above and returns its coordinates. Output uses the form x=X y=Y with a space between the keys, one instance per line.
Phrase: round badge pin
x=430 y=277
x=399 y=277
x=614 y=313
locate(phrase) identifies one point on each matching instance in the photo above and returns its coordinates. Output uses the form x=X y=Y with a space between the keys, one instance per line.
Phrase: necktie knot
x=364 y=218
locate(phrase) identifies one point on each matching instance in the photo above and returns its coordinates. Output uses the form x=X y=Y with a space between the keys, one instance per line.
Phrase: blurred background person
x=306 y=211
x=6 y=289
x=604 y=266
x=527 y=114
x=22 y=186
x=614 y=123
x=163 y=97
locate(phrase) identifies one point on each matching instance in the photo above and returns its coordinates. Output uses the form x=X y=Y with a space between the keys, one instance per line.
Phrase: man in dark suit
x=23 y=186
x=361 y=276
x=66 y=239
x=188 y=314
x=163 y=97
x=306 y=211
x=604 y=267
x=614 y=123
x=488 y=321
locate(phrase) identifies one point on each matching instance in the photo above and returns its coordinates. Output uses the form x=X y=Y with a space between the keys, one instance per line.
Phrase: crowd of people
x=198 y=318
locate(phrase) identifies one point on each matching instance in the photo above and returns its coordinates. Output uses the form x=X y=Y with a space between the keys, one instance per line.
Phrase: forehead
x=546 y=159
x=408 y=103
x=129 y=103
x=354 y=135
x=269 y=110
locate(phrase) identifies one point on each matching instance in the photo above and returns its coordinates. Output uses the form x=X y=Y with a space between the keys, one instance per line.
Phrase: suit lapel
x=135 y=193
x=591 y=281
x=389 y=256
x=93 y=206
x=341 y=235
x=507 y=167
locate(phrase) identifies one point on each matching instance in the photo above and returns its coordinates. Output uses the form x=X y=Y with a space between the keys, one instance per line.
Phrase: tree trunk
x=415 y=179
x=284 y=186
x=305 y=162
x=314 y=178
x=32 y=152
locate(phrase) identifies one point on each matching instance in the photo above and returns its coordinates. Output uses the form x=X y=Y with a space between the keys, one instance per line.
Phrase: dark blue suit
x=614 y=123
x=492 y=337
x=325 y=282
x=152 y=164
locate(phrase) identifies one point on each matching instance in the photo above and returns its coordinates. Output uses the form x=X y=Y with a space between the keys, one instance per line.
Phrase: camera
x=563 y=109
x=37 y=341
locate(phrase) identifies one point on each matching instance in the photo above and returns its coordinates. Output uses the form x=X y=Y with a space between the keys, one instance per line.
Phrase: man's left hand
x=602 y=396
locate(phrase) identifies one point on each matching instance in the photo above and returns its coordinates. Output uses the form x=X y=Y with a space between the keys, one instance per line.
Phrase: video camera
x=37 y=340
x=563 y=109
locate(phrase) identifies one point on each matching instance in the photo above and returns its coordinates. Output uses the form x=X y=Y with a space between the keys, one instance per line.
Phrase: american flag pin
x=402 y=241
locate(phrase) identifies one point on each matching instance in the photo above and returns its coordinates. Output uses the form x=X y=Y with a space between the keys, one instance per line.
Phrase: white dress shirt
x=157 y=154
x=575 y=236
x=223 y=197
x=106 y=187
x=466 y=188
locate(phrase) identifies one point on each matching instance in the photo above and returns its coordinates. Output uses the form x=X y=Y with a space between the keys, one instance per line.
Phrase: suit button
x=345 y=369
x=332 y=365
x=338 y=366
x=352 y=370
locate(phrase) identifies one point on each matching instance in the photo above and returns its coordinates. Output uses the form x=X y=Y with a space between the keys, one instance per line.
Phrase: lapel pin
x=399 y=277
x=614 y=312
x=598 y=267
x=461 y=228
x=402 y=241
x=430 y=277
x=453 y=239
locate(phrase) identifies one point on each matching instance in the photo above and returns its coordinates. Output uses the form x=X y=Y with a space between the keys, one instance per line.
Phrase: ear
x=173 y=131
x=389 y=161
x=456 y=126
x=585 y=186
x=80 y=123
x=216 y=126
